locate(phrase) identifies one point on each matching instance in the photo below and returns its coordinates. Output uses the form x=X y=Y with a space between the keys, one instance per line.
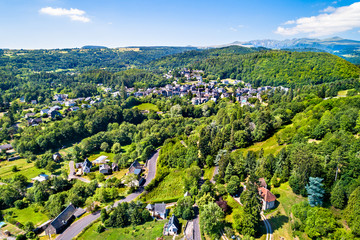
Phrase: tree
x=229 y=172
x=14 y=168
x=315 y=191
x=319 y=222
x=352 y=211
x=233 y=186
x=184 y=208
x=250 y=220
x=116 y=148
x=338 y=196
x=105 y=147
x=212 y=218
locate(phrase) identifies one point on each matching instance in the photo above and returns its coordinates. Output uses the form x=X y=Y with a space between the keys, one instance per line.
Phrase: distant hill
x=345 y=48
x=188 y=57
x=93 y=47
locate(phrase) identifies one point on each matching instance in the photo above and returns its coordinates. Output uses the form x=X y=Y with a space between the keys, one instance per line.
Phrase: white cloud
x=329 y=9
x=289 y=22
x=73 y=13
x=339 y=20
x=233 y=29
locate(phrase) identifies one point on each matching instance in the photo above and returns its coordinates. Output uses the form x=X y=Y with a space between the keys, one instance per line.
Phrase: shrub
x=100 y=228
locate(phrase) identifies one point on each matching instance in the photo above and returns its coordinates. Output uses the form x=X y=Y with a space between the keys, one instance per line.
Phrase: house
x=69 y=103
x=61 y=222
x=74 y=109
x=262 y=183
x=137 y=172
x=44 y=111
x=268 y=199
x=135 y=165
x=187 y=194
x=34 y=122
x=157 y=210
x=172 y=227
x=57 y=157
x=115 y=167
x=104 y=169
x=54 y=114
x=6 y=147
x=33 y=102
x=42 y=177
x=29 y=115
x=86 y=166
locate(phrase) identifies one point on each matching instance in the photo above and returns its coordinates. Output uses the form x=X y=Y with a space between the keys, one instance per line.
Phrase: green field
x=147 y=106
x=26 y=169
x=29 y=214
x=147 y=231
x=169 y=189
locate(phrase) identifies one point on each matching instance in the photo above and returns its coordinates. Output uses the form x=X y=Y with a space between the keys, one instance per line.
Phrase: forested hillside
x=280 y=67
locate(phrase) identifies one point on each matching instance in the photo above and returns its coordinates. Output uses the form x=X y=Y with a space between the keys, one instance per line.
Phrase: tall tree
x=315 y=191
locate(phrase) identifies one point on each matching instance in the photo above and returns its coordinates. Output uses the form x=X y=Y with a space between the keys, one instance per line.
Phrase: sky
x=45 y=24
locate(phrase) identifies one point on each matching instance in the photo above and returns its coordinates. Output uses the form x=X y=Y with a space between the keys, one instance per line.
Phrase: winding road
x=74 y=229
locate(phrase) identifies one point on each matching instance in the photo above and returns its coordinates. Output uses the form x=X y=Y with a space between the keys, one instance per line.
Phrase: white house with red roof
x=268 y=199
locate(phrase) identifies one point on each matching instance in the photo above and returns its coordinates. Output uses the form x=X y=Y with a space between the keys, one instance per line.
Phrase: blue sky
x=32 y=24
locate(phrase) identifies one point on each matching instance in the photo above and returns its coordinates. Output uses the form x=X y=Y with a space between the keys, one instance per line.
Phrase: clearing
x=148 y=231
x=26 y=169
x=169 y=190
x=31 y=213
x=147 y=106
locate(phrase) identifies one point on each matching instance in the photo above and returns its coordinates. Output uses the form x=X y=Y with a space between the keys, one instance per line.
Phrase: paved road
x=196 y=224
x=72 y=173
x=73 y=230
x=267 y=226
x=151 y=165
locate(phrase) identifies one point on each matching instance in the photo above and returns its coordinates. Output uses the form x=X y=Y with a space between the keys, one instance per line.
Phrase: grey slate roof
x=63 y=217
x=87 y=163
x=160 y=208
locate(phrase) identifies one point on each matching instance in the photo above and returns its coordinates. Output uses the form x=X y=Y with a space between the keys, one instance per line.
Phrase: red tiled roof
x=266 y=195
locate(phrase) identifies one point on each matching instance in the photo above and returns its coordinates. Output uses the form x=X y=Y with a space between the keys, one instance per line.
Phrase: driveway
x=74 y=229
x=72 y=173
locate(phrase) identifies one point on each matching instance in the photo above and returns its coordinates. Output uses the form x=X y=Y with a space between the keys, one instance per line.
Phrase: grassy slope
x=170 y=189
x=27 y=169
x=147 y=106
x=147 y=231
x=28 y=214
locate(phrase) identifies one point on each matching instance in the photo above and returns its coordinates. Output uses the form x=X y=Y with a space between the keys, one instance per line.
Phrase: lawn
x=280 y=217
x=119 y=174
x=26 y=169
x=31 y=213
x=208 y=173
x=98 y=154
x=147 y=106
x=169 y=190
x=147 y=231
